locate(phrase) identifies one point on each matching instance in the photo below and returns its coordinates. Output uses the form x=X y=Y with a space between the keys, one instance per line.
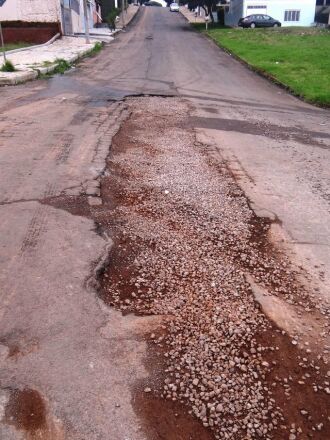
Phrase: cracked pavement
x=56 y=336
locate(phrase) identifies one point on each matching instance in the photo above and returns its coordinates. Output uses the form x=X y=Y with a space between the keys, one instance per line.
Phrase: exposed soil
x=26 y=410
x=184 y=240
x=161 y=418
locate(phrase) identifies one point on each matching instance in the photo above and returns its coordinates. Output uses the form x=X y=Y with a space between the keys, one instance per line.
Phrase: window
x=292 y=15
x=256 y=7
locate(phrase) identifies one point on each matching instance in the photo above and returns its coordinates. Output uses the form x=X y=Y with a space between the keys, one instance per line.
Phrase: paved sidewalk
x=38 y=60
x=129 y=14
x=44 y=59
x=190 y=16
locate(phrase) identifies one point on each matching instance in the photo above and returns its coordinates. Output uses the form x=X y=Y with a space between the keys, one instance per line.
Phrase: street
x=164 y=248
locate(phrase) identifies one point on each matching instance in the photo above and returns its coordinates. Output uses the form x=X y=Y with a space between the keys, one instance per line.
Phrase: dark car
x=258 y=20
x=152 y=3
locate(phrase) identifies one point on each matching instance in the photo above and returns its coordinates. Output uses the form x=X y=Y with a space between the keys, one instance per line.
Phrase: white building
x=288 y=12
x=72 y=15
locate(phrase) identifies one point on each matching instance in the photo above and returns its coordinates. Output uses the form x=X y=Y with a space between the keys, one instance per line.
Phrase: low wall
x=36 y=33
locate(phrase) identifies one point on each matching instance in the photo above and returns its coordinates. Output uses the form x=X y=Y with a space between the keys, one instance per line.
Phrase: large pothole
x=184 y=240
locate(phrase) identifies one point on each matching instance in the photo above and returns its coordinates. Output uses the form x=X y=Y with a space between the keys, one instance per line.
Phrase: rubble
x=185 y=256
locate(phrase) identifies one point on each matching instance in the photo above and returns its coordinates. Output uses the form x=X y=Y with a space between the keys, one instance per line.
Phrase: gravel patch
x=185 y=240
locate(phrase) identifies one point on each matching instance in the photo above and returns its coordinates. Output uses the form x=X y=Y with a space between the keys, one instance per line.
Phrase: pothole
x=184 y=239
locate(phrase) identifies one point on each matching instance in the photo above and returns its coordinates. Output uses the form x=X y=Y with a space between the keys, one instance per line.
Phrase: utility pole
x=3 y=45
x=122 y=13
x=86 y=22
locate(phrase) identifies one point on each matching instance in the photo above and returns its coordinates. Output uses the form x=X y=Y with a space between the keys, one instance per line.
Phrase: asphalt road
x=277 y=145
x=54 y=139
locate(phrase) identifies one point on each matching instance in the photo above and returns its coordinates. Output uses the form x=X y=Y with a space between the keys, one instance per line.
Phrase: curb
x=20 y=78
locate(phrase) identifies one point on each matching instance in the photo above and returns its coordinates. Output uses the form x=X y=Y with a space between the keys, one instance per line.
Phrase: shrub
x=96 y=49
x=111 y=18
x=7 y=66
x=62 y=66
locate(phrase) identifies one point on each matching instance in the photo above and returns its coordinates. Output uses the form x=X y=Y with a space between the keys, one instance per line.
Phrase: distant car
x=258 y=20
x=174 y=7
x=152 y=3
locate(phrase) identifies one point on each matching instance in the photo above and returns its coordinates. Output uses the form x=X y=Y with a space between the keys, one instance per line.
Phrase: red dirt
x=170 y=420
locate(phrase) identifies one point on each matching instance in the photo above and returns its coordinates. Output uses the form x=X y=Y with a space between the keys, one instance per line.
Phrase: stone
x=94 y=201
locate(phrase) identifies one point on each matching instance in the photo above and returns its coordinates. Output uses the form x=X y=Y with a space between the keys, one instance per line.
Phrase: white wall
x=31 y=10
x=277 y=8
x=274 y=8
x=78 y=21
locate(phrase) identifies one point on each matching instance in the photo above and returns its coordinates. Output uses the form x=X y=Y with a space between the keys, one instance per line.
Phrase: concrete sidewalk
x=191 y=16
x=44 y=59
x=39 y=60
x=128 y=15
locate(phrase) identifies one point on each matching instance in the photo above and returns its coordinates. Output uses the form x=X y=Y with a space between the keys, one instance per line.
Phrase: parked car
x=174 y=7
x=258 y=20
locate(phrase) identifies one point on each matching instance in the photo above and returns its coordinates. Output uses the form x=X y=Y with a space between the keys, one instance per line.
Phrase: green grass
x=96 y=49
x=299 y=58
x=18 y=45
x=61 y=67
x=8 y=66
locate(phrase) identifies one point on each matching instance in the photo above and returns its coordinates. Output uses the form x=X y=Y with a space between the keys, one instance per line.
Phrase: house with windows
x=288 y=12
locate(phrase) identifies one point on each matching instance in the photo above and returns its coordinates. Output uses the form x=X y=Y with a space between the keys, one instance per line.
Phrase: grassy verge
x=17 y=45
x=61 y=66
x=96 y=49
x=298 y=58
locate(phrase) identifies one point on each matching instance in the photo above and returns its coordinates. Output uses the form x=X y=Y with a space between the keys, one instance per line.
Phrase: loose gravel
x=185 y=239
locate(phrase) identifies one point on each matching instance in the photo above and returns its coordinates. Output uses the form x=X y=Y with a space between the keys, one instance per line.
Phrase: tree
x=207 y=5
x=111 y=18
